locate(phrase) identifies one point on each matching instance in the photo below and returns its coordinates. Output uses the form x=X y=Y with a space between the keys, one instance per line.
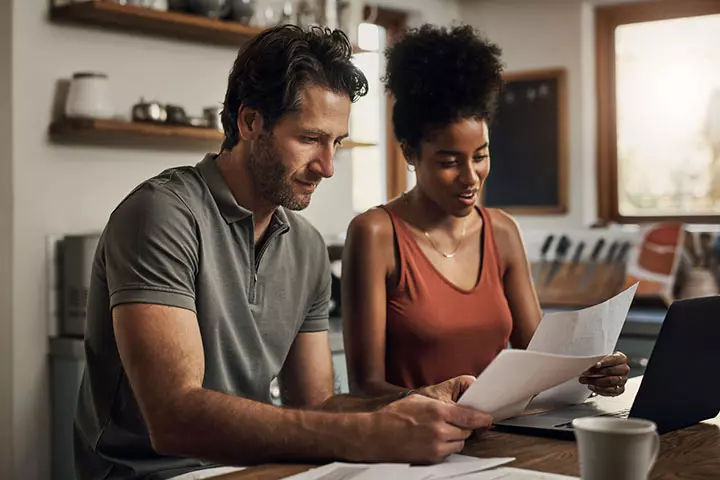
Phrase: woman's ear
x=409 y=153
x=250 y=123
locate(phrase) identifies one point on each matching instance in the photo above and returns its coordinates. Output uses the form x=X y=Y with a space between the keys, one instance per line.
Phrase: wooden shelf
x=125 y=134
x=146 y=20
x=184 y=26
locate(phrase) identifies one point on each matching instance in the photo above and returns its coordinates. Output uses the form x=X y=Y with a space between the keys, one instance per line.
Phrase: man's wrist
x=356 y=429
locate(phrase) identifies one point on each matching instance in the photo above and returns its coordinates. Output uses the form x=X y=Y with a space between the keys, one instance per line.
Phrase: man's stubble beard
x=270 y=176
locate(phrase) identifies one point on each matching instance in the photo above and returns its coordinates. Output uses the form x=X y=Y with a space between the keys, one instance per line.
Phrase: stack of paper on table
x=455 y=466
x=508 y=473
x=563 y=347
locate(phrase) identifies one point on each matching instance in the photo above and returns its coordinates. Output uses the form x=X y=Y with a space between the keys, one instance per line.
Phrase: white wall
x=6 y=372
x=68 y=189
x=538 y=35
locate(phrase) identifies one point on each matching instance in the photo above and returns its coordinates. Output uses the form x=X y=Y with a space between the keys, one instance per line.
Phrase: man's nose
x=324 y=163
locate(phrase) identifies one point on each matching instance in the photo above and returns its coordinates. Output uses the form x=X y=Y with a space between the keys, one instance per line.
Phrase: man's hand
x=421 y=430
x=608 y=376
x=448 y=391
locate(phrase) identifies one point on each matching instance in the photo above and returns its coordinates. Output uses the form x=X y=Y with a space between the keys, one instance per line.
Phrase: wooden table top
x=687 y=454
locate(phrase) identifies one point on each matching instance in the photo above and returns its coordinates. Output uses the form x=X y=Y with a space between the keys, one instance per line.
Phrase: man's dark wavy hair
x=272 y=69
x=439 y=75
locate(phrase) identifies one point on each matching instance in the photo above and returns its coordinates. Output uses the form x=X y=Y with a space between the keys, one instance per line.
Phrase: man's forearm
x=217 y=427
x=378 y=388
x=352 y=403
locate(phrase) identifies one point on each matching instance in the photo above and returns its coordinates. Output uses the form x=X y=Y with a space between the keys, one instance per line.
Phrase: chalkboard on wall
x=528 y=145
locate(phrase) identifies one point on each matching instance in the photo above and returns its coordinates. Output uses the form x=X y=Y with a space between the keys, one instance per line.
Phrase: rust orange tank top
x=436 y=330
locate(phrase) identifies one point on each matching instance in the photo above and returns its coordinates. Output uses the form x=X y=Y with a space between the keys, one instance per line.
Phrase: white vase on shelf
x=89 y=96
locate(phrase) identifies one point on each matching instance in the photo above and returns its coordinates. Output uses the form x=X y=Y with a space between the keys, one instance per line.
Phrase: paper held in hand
x=563 y=347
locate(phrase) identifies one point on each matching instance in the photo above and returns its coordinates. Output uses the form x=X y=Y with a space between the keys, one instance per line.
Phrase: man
x=206 y=286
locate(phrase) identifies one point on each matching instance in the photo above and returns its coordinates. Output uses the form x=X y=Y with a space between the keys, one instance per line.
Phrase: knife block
x=571 y=286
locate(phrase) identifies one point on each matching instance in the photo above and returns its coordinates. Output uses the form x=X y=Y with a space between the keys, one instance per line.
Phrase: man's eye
x=309 y=139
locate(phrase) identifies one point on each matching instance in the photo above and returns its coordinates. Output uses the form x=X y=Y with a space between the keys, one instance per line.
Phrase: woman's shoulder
x=505 y=230
x=373 y=225
x=503 y=223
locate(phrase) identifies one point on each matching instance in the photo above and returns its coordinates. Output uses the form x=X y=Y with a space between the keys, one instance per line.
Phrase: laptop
x=679 y=387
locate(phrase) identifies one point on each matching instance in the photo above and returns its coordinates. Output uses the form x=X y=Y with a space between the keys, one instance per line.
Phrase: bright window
x=668 y=116
x=659 y=111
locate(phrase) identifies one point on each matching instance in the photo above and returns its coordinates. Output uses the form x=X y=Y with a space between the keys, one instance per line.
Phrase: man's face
x=287 y=165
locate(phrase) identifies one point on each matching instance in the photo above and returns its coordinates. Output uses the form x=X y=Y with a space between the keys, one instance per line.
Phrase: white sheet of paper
x=357 y=471
x=458 y=465
x=509 y=473
x=591 y=331
x=207 y=473
x=452 y=467
x=508 y=384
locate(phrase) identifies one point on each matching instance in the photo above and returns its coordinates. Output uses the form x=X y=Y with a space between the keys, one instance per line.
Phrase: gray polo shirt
x=180 y=239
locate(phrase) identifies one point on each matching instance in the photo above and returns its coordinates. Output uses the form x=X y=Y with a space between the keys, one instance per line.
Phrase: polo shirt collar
x=229 y=208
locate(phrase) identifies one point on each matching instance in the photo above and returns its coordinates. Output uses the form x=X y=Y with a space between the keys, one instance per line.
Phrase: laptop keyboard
x=618 y=414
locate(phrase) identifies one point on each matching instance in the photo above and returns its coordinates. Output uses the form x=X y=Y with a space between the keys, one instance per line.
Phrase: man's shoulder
x=306 y=240
x=184 y=182
x=173 y=187
x=303 y=229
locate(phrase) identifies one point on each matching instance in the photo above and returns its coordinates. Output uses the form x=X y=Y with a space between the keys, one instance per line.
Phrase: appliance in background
x=75 y=254
x=67 y=363
x=71 y=258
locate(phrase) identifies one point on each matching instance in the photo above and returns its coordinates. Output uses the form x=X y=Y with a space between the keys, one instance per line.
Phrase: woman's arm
x=368 y=261
x=517 y=280
x=610 y=374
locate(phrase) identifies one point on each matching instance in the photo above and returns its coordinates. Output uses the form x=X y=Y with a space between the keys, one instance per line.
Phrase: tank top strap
x=404 y=246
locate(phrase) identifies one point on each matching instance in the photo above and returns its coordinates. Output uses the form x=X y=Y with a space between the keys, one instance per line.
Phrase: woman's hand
x=608 y=376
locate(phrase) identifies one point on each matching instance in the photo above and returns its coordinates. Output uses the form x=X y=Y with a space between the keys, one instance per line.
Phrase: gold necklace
x=457 y=247
x=427 y=235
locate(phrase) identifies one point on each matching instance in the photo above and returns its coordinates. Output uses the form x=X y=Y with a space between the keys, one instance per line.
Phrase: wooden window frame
x=394 y=22
x=607 y=19
x=563 y=155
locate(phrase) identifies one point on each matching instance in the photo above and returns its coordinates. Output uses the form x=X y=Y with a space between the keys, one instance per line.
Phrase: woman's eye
x=480 y=158
x=309 y=139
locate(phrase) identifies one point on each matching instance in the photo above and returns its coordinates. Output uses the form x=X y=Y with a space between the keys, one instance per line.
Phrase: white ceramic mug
x=616 y=448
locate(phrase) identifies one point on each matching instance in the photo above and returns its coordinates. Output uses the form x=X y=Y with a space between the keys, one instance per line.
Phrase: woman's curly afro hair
x=440 y=75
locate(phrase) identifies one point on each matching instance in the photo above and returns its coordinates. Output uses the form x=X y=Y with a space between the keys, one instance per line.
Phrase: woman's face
x=452 y=165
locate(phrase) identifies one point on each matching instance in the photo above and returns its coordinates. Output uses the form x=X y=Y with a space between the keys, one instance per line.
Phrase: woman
x=434 y=287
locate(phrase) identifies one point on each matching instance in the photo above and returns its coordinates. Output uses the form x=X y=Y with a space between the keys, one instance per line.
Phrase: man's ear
x=249 y=122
